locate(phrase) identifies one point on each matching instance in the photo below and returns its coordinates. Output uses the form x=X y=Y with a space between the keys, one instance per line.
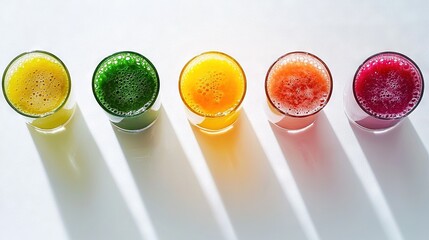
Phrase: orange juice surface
x=37 y=86
x=298 y=84
x=213 y=85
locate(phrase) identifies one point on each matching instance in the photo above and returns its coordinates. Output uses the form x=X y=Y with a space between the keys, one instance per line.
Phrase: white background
x=173 y=182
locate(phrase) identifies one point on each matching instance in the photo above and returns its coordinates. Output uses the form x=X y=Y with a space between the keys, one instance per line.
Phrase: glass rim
x=391 y=53
x=216 y=53
x=331 y=87
x=43 y=53
x=156 y=94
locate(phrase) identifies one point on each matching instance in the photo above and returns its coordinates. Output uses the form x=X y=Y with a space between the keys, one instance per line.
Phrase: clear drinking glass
x=387 y=87
x=126 y=85
x=298 y=86
x=212 y=86
x=37 y=85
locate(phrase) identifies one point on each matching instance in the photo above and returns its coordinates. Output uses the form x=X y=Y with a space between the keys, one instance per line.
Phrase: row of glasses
x=387 y=87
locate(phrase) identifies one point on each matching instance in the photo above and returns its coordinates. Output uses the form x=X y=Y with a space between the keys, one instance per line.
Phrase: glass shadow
x=87 y=197
x=330 y=188
x=400 y=163
x=249 y=189
x=167 y=184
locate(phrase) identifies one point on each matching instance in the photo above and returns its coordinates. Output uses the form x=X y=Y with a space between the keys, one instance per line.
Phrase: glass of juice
x=212 y=86
x=126 y=85
x=298 y=86
x=386 y=88
x=37 y=85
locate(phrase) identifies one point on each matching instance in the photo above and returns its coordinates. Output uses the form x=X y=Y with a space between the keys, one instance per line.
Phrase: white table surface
x=173 y=182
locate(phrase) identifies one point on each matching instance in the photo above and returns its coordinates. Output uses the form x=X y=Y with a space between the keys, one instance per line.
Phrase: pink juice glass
x=387 y=87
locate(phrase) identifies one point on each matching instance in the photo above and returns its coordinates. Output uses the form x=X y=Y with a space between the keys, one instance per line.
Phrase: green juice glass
x=126 y=85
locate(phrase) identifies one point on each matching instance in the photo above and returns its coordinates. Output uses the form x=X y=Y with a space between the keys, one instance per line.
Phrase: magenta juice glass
x=387 y=87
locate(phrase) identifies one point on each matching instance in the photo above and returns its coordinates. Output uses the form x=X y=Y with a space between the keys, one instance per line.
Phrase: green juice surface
x=126 y=84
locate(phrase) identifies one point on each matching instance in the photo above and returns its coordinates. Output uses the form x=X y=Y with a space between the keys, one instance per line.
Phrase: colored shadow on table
x=86 y=195
x=331 y=190
x=400 y=164
x=251 y=194
x=167 y=184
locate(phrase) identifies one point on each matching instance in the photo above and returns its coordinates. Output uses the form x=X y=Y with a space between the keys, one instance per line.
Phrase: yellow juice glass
x=212 y=86
x=37 y=85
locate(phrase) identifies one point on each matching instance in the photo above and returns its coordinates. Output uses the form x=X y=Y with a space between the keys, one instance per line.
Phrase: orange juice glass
x=298 y=86
x=212 y=86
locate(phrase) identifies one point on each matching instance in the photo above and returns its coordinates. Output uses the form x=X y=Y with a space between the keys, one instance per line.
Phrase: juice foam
x=388 y=86
x=212 y=84
x=298 y=84
x=37 y=85
x=126 y=84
